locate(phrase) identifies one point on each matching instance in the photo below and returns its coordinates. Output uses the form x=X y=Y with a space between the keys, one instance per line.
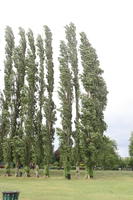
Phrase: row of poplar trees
x=28 y=111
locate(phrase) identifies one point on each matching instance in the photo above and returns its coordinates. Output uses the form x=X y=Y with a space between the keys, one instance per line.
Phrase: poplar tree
x=66 y=96
x=39 y=143
x=73 y=60
x=30 y=100
x=7 y=103
x=17 y=122
x=20 y=65
x=49 y=107
x=94 y=101
x=8 y=77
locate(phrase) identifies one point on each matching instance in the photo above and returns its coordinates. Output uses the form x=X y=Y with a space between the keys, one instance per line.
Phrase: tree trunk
x=46 y=170
x=37 y=171
x=89 y=170
x=77 y=170
x=17 y=172
x=27 y=171
x=67 y=172
x=8 y=171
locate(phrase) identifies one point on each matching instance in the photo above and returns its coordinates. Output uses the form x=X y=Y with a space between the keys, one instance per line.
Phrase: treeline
x=28 y=111
x=107 y=159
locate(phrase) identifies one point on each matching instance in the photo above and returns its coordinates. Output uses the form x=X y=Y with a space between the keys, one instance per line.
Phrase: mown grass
x=107 y=185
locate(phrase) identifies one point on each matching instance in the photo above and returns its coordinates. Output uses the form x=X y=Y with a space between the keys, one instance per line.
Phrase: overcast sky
x=109 y=26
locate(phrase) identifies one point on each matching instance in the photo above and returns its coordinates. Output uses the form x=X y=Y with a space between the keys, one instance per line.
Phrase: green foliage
x=73 y=60
x=66 y=97
x=29 y=108
x=108 y=157
x=125 y=163
x=18 y=145
x=93 y=103
x=49 y=107
x=19 y=65
x=39 y=138
x=8 y=81
x=7 y=154
x=131 y=145
x=8 y=104
x=9 y=38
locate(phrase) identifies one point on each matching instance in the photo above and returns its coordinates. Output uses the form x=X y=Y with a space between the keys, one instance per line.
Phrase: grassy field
x=107 y=185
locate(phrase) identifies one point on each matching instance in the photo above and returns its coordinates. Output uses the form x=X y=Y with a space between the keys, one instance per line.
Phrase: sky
x=109 y=27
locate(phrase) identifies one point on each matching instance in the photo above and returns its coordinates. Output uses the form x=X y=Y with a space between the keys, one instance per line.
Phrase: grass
x=107 y=185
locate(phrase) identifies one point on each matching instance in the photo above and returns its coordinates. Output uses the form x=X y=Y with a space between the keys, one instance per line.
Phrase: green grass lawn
x=107 y=185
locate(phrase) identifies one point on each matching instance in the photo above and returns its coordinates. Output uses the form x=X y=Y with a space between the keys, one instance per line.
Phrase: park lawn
x=107 y=185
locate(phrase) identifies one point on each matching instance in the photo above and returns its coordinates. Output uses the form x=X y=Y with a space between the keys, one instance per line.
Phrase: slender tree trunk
x=27 y=171
x=8 y=170
x=17 y=170
x=89 y=171
x=37 y=171
x=67 y=173
x=46 y=170
x=67 y=168
x=77 y=170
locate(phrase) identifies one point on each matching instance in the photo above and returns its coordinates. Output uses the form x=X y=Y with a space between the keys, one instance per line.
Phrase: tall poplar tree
x=30 y=98
x=8 y=79
x=66 y=96
x=7 y=103
x=94 y=102
x=49 y=107
x=20 y=65
x=73 y=59
x=17 y=122
x=41 y=88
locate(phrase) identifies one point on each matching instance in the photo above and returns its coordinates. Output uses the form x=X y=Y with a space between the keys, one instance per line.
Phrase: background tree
x=66 y=96
x=125 y=163
x=130 y=147
x=73 y=59
x=49 y=107
x=108 y=157
x=93 y=104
